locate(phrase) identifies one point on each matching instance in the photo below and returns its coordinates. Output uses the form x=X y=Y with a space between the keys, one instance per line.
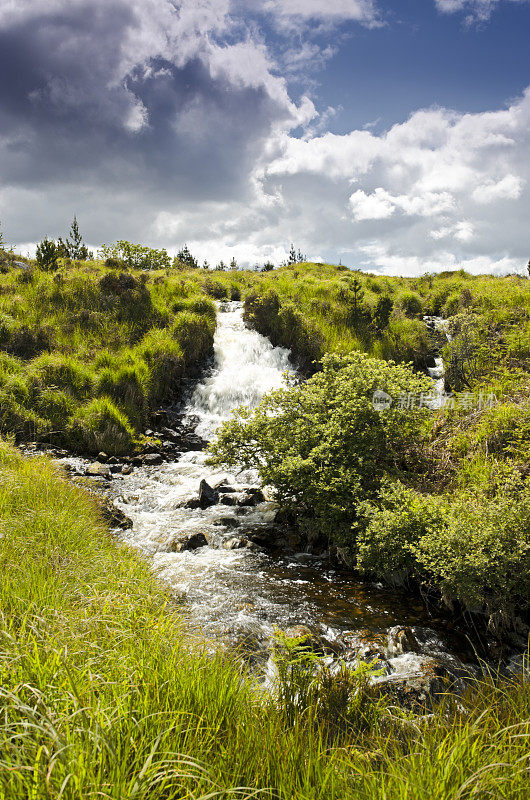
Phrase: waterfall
x=246 y=366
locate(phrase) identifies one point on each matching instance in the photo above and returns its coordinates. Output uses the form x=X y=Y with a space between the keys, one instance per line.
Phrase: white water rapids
x=240 y=595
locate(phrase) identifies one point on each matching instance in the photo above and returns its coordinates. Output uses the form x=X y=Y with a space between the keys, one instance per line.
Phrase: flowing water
x=239 y=596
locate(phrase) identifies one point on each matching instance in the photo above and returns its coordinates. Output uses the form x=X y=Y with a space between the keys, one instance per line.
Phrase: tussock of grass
x=103 y=695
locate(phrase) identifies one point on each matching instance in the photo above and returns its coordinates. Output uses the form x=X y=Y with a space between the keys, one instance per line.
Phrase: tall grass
x=105 y=695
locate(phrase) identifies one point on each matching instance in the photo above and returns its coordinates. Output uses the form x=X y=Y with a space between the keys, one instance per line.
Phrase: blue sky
x=422 y=58
x=392 y=136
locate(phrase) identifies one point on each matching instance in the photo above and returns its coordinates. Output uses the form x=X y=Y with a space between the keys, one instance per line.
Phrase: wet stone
x=152 y=459
x=114 y=517
x=98 y=470
x=192 y=542
x=207 y=495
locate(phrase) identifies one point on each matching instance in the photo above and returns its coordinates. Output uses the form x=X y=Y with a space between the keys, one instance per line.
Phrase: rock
x=298 y=631
x=207 y=495
x=235 y=543
x=194 y=503
x=149 y=432
x=102 y=457
x=225 y=489
x=98 y=470
x=229 y=522
x=402 y=640
x=416 y=690
x=115 y=517
x=127 y=469
x=253 y=497
x=152 y=459
x=192 y=542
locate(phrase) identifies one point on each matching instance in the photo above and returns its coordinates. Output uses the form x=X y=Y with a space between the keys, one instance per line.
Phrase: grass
x=104 y=695
x=87 y=354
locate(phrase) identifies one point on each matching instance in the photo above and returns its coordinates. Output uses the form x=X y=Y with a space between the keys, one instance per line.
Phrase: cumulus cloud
x=364 y=11
x=475 y=10
x=170 y=122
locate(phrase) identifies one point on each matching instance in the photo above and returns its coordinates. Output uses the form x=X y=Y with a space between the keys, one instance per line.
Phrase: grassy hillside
x=320 y=308
x=87 y=353
x=103 y=694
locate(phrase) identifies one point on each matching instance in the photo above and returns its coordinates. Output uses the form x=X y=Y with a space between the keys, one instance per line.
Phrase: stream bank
x=215 y=538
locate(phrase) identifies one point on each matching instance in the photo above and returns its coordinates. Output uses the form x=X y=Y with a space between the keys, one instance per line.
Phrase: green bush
x=101 y=426
x=388 y=529
x=322 y=445
x=411 y=304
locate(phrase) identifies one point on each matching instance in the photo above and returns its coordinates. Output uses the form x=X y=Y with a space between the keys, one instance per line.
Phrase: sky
x=388 y=135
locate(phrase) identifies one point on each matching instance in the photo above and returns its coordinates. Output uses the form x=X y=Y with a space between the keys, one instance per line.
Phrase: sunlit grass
x=105 y=695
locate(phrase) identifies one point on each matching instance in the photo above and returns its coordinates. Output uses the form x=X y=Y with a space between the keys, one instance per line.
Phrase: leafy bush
x=389 y=528
x=322 y=445
x=411 y=304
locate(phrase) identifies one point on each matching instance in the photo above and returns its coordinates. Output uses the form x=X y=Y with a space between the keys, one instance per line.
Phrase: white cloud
x=381 y=204
x=476 y=10
x=364 y=11
x=508 y=188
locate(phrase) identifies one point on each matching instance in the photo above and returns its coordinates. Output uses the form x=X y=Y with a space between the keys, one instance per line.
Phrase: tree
x=47 y=254
x=185 y=257
x=1 y=237
x=233 y=263
x=74 y=247
x=267 y=267
x=383 y=309
x=358 y=293
x=528 y=268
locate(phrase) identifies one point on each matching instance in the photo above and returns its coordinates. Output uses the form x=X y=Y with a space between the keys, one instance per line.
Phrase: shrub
x=322 y=445
x=47 y=254
x=215 y=289
x=411 y=304
x=389 y=528
x=101 y=426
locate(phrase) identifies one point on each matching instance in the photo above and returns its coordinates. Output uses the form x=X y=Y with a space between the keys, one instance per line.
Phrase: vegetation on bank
x=87 y=353
x=104 y=695
x=407 y=494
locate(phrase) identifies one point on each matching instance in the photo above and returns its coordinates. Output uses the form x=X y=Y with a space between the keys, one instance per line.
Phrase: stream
x=239 y=596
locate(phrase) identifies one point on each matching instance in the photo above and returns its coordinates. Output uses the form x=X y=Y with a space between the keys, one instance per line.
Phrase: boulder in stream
x=114 y=517
x=98 y=470
x=207 y=495
x=191 y=542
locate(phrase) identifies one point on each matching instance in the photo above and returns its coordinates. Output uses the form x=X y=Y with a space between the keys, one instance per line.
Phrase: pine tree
x=292 y=256
x=186 y=258
x=233 y=263
x=46 y=255
x=74 y=245
x=1 y=238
